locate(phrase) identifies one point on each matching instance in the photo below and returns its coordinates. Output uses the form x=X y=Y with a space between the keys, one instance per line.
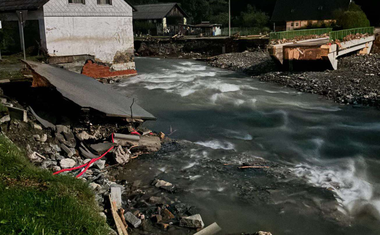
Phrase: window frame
x=108 y=3
x=83 y=2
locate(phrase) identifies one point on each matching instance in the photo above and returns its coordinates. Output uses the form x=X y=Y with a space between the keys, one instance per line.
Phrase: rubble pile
x=298 y=38
x=58 y=147
x=356 y=83
x=354 y=36
x=253 y=63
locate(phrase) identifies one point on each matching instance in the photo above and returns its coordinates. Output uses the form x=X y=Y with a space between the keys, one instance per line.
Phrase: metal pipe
x=229 y=18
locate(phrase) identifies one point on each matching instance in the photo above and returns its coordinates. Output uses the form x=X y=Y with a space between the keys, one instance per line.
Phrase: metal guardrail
x=297 y=33
x=341 y=34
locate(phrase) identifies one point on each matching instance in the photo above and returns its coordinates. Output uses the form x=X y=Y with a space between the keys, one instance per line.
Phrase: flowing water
x=325 y=157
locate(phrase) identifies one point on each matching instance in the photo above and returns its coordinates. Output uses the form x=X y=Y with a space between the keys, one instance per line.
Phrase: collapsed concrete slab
x=86 y=92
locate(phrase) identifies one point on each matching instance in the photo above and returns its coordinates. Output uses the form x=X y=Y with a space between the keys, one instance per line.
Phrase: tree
x=354 y=17
x=252 y=18
x=221 y=18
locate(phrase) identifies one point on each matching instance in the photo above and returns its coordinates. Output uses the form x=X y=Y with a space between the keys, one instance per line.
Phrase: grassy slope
x=33 y=201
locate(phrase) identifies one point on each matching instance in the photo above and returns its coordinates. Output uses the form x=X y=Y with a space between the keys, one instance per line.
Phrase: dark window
x=104 y=2
x=296 y=24
x=78 y=1
x=292 y=24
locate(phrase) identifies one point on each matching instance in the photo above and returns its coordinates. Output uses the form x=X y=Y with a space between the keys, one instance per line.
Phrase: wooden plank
x=118 y=222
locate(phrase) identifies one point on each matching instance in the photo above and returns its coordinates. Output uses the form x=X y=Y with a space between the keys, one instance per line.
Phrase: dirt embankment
x=357 y=82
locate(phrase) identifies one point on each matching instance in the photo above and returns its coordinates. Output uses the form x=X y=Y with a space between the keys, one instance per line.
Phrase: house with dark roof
x=296 y=14
x=159 y=19
x=66 y=28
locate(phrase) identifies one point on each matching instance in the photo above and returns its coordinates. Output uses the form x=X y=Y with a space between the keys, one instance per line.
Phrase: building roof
x=290 y=10
x=155 y=11
x=89 y=93
x=14 y=5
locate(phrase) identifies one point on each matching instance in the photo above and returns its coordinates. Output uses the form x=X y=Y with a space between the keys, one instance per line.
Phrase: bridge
x=319 y=45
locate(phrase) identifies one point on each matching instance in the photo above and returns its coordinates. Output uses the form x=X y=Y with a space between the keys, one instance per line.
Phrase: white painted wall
x=99 y=30
x=98 y=36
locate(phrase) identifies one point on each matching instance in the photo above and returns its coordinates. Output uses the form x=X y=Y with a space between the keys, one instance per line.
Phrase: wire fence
x=341 y=34
x=298 y=33
x=242 y=31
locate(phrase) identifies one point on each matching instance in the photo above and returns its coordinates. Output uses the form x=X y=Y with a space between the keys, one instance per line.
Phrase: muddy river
x=323 y=158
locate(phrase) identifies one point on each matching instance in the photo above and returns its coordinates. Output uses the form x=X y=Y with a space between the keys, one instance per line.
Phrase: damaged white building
x=99 y=28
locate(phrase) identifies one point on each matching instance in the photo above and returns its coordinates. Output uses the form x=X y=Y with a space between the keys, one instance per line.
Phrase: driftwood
x=254 y=167
x=121 y=214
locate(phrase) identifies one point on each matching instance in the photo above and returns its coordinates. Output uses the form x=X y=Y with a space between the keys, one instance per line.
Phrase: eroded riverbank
x=357 y=82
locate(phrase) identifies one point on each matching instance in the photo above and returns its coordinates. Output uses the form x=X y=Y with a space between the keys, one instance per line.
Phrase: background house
x=67 y=28
x=205 y=28
x=159 y=19
x=295 y=14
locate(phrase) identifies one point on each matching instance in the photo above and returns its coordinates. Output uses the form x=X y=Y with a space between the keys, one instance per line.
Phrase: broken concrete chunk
x=62 y=128
x=69 y=151
x=210 y=230
x=60 y=137
x=95 y=186
x=121 y=156
x=155 y=200
x=151 y=143
x=43 y=138
x=18 y=114
x=132 y=219
x=84 y=136
x=70 y=139
x=116 y=196
x=37 y=127
x=100 y=164
x=161 y=183
x=194 y=221
x=67 y=163
x=101 y=148
x=36 y=137
x=55 y=147
x=4 y=119
x=48 y=164
x=56 y=168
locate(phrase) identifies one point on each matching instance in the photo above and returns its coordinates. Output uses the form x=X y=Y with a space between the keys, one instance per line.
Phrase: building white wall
x=98 y=30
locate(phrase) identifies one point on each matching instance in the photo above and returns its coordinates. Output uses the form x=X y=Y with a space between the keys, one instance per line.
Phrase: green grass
x=11 y=75
x=16 y=58
x=33 y=201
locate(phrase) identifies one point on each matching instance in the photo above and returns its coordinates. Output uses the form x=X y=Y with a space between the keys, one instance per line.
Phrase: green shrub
x=354 y=17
